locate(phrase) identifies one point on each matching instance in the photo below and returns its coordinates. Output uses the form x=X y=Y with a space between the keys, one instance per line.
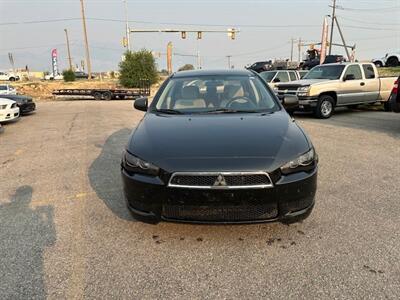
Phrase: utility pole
x=169 y=58
x=291 y=50
x=344 y=42
x=300 y=48
x=88 y=64
x=198 y=60
x=69 y=51
x=332 y=25
x=128 y=34
x=229 y=61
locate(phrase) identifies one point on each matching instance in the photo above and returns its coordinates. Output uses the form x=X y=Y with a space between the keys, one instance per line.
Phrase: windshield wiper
x=230 y=111
x=169 y=111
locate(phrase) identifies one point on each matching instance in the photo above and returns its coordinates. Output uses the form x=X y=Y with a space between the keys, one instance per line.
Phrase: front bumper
x=9 y=114
x=151 y=201
x=27 y=108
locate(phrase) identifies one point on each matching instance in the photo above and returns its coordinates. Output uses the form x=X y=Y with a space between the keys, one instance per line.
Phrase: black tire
x=12 y=79
x=387 y=106
x=378 y=64
x=107 y=95
x=325 y=107
x=121 y=97
x=97 y=95
x=392 y=61
x=353 y=106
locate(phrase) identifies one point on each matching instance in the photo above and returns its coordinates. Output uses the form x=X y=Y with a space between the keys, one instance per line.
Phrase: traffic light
x=199 y=35
x=125 y=42
x=183 y=35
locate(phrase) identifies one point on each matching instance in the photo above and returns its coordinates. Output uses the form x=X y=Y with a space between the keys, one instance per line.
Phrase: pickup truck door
x=372 y=85
x=352 y=86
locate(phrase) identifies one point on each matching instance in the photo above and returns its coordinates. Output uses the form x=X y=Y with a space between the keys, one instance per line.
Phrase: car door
x=371 y=87
x=351 y=87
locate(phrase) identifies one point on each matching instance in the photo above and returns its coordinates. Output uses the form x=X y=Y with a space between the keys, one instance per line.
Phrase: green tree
x=137 y=66
x=186 y=67
x=69 y=75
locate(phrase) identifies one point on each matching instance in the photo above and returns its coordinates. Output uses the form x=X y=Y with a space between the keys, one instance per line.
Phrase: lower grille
x=239 y=213
x=220 y=180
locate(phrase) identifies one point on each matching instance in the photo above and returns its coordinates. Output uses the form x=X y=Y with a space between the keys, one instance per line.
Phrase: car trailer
x=107 y=94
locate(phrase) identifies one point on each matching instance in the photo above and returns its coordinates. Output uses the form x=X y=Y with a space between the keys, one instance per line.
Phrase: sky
x=29 y=29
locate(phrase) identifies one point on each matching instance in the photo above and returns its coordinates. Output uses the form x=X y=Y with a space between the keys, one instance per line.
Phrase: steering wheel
x=235 y=99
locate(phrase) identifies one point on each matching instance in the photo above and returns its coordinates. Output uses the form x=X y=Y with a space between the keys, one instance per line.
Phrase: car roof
x=194 y=73
x=6 y=101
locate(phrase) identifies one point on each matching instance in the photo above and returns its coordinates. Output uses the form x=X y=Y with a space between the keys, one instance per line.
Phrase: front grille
x=221 y=213
x=220 y=180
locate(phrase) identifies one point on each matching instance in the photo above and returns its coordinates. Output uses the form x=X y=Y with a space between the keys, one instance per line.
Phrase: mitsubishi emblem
x=220 y=181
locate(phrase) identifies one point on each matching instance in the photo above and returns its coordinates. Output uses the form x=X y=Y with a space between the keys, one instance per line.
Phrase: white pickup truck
x=339 y=84
x=5 y=76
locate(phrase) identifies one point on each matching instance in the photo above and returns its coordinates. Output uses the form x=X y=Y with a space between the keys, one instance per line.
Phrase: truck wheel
x=97 y=95
x=378 y=64
x=325 y=107
x=392 y=61
x=107 y=96
x=387 y=106
x=12 y=79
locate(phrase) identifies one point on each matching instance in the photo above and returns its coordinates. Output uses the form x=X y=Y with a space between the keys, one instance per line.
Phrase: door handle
x=362 y=83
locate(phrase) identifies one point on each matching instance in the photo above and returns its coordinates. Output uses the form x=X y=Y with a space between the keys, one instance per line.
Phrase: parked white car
x=6 y=76
x=8 y=110
x=6 y=89
x=391 y=59
x=52 y=77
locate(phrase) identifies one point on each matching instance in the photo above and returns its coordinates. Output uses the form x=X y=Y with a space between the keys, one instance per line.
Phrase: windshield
x=208 y=94
x=325 y=72
x=267 y=76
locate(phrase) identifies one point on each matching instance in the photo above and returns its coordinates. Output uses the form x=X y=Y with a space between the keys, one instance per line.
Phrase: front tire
x=12 y=79
x=378 y=64
x=325 y=107
x=392 y=61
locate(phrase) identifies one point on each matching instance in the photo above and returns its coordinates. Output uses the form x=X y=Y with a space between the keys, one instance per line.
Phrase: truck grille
x=220 y=180
x=251 y=211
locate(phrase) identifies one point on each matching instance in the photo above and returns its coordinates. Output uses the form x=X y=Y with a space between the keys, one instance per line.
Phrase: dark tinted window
x=369 y=71
x=325 y=72
x=354 y=70
x=267 y=76
x=282 y=76
x=292 y=76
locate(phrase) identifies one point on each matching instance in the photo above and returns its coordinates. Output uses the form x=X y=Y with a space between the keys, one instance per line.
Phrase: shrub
x=186 y=67
x=69 y=75
x=137 y=66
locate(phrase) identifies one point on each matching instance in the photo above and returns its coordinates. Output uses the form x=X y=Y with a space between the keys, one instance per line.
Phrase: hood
x=17 y=98
x=302 y=82
x=6 y=101
x=224 y=142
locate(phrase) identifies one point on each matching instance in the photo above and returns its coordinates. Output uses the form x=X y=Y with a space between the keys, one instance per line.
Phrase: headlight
x=305 y=162
x=3 y=106
x=304 y=89
x=137 y=165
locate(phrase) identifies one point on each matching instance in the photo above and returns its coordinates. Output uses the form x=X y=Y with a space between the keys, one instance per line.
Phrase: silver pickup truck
x=339 y=84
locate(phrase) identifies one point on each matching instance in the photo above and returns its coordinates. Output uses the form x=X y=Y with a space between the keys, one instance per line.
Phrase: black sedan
x=25 y=103
x=218 y=147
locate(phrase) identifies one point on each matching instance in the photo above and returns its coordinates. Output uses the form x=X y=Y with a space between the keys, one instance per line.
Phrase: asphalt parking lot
x=65 y=231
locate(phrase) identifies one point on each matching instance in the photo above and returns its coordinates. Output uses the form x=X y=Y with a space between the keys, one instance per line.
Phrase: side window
x=282 y=76
x=354 y=70
x=292 y=76
x=369 y=71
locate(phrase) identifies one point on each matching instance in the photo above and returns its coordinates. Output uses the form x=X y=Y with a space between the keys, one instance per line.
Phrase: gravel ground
x=65 y=231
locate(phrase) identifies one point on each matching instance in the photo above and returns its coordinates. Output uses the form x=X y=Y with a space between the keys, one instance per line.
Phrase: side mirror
x=290 y=101
x=141 y=104
x=276 y=80
x=349 y=77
